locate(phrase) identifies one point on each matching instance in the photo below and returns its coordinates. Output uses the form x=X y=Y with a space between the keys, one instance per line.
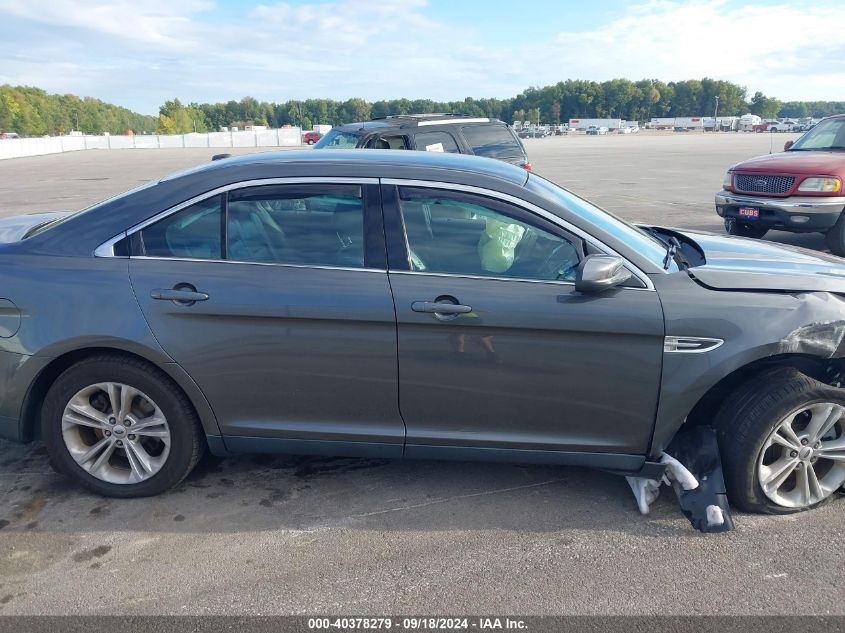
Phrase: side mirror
x=787 y=145
x=598 y=273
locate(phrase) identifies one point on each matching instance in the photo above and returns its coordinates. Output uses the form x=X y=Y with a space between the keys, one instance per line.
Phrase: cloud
x=139 y=53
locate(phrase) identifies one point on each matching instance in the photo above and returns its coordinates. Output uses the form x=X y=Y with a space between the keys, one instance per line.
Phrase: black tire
x=310 y=142
x=745 y=421
x=186 y=440
x=744 y=229
x=835 y=237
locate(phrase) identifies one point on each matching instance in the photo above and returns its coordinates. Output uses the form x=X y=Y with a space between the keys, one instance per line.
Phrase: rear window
x=335 y=139
x=492 y=141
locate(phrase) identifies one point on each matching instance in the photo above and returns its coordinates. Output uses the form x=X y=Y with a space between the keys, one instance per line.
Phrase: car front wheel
x=782 y=439
x=744 y=229
x=835 y=237
x=120 y=427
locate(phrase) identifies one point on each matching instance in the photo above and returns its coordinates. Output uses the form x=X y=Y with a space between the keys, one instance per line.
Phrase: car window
x=471 y=235
x=335 y=139
x=297 y=224
x=388 y=142
x=436 y=142
x=193 y=232
x=492 y=141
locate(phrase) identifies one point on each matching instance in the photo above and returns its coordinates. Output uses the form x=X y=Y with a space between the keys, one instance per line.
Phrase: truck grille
x=763 y=184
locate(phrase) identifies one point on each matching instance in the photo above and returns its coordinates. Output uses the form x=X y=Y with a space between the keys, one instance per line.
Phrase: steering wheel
x=551 y=267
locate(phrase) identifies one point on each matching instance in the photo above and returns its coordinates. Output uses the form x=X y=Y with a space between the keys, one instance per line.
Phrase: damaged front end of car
x=803 y=332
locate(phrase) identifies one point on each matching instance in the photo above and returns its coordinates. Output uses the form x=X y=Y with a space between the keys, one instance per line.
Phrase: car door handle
x=433 y=307
x=181 y=295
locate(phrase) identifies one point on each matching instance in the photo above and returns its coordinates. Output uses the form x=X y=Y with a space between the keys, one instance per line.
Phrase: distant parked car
x=309 y=138
x=679 y=128
x=449 y=133
x=594 y=130
x=782 y=126
x=9 y=135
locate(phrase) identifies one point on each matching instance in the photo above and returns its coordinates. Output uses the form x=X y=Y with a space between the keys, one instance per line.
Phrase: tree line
x=32 y=112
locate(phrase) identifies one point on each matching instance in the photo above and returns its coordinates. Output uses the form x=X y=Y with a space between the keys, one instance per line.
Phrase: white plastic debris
x=714 y=516
x=647 y=490
x=675 y=470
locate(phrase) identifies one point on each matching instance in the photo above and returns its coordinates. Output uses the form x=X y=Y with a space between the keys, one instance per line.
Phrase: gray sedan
x=409 y=304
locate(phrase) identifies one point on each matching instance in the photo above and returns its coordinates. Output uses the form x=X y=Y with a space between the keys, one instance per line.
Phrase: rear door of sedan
x=499 y=356
x=274 y=297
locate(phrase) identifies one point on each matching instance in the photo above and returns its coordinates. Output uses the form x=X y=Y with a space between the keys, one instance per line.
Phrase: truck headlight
x=728 y=181
x=821 y=184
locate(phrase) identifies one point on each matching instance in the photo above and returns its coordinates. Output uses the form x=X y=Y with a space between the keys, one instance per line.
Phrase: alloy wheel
x=802 y=462
x=116 y=433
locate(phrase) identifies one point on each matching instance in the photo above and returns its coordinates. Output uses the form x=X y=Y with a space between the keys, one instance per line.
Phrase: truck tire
x=835 y=236
x=773 y=441
x=744 y=229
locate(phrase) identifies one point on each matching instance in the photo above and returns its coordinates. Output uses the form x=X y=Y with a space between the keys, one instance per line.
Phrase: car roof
x=402 y=121
x=371 y=157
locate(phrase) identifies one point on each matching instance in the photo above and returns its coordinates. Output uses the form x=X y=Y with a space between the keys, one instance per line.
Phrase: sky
x=140 y=53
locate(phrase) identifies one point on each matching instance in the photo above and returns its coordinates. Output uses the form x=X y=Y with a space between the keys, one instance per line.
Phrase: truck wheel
x=744 y=229
x=782 y=440
x=835 y=237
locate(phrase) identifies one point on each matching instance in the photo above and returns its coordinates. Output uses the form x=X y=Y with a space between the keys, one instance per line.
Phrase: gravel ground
x=288 y=535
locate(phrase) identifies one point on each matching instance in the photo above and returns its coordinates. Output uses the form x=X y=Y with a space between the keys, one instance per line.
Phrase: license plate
x=749 y=213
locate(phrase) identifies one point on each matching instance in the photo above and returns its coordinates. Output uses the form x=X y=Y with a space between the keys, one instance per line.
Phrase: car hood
x=14 y=229
x=735 y=263
x=816 y=162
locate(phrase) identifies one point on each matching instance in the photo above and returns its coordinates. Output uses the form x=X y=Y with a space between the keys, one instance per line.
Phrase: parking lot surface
x=297 y=535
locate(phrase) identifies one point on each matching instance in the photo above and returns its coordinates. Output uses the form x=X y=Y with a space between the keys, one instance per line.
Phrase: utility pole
x=716 y=116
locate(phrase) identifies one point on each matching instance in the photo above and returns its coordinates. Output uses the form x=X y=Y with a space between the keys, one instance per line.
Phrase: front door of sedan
x=496 y=348
x=275 y=299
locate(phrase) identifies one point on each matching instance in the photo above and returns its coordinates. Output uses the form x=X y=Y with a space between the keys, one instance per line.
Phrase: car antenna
x=771 y=142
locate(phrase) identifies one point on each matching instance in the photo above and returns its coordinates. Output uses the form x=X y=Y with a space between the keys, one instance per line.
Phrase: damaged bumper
x=694 y=470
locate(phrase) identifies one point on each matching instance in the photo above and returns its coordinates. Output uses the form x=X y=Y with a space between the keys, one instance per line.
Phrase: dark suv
x=452 y=133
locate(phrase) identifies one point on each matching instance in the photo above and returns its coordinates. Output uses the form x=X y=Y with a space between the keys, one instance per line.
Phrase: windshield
x=335 y=139
x=645 y=244
x=828 y=134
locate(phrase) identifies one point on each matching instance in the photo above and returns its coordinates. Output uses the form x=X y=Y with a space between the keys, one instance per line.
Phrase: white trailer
x=662 y=123
x=583 y=124
x=689 y=122
x=748 y=121
x=322 y=129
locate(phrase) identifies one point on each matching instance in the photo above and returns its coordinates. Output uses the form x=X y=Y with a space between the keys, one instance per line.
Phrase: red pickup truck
x=799 y=190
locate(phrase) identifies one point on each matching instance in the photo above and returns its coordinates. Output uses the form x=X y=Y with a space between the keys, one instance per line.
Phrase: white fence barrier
x=19 y=147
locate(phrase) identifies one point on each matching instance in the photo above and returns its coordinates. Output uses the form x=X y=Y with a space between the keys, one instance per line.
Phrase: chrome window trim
x=690 y=344
x=248 y=263
x=527 y=206
x=555 y=282
x=106 y=249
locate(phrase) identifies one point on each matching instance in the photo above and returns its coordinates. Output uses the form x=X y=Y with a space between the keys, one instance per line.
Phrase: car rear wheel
x=835 y=237
x=782 y=439
x=310 y=141
x=744 y=229
x=120 y=427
